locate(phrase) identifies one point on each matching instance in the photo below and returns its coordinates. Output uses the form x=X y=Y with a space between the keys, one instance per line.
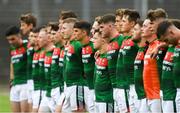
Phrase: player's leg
x=24 y=98
x=15 y=106
x=14 y=98
x=24 y=106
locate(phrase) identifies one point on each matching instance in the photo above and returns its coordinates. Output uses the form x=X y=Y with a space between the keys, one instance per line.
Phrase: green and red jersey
x=167 y=81
x=55 y=73
x=47 y=72
x=35 y=71
x=19 y=62
x=41 y=68
x=112 y=55
x=30 y=52
x=176 y=65
x=89 y=63
x=73 y=70
x=102 y=85
x=138 y=72
x=125 y=63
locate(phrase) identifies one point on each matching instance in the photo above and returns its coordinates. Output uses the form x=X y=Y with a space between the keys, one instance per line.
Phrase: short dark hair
x=162 y=27
x=12 y=30
x=83 y=25
x=156 y=14
x=54 y=26
x=139 y=22
x=28 y=19
x=176 y=22
x=67 y=14
x=107 y=18
x=132 y=15
x=36 y=30
x=120 y=12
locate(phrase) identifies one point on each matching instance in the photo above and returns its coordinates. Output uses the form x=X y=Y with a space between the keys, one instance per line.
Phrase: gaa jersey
x=47 y=72
x=55 y=73
x=152 y=71
x=35 y=70
x=138 y=72
x=102 y=84
x=41 y=68
x=73 y=70
x=125 y=63
x=167 y=81
x=112 y=55
x=176 y=66
x=30 y=52
x=19 y=62
x=89 y=63
x=61 y=64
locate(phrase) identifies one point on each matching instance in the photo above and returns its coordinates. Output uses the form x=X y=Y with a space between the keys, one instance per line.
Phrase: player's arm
x=155 y=51
x=11 y=74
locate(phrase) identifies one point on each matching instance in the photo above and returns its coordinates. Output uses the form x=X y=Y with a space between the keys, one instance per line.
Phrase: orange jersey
x=151 y=76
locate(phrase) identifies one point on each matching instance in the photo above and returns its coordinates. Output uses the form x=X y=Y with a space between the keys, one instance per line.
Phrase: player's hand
x=154 y=53
x=10 y=83
x=96 y=55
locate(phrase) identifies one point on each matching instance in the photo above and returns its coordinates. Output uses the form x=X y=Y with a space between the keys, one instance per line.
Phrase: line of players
x=122 y=64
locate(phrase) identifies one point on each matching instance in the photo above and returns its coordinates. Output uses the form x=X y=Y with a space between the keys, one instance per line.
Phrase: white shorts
x=37 y=97
x=74 y=98
x=177 y=100
x=121 y=99
x=102 y=107
x=30 y=85
x=133 y=100
x=168 y=106
x=48 y=103
x=143 y=107
x=154 y=105
x=19 y=93
x=91 y=101
x=55 y=95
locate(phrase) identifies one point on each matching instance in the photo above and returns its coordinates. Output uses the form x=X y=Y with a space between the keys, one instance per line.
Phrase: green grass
x=4 y=103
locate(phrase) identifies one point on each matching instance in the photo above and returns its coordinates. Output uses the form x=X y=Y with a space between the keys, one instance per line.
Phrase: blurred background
x=48 y=10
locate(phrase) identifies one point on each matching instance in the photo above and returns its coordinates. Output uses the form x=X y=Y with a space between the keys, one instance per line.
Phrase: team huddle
x=120 y=64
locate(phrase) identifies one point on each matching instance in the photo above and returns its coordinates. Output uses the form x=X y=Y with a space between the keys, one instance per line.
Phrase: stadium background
x=48 y=10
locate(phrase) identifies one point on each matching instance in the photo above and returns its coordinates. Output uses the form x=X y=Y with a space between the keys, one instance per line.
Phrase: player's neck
x=49 y=46
x=114 y=33
x=104 y=48
x=85 y=40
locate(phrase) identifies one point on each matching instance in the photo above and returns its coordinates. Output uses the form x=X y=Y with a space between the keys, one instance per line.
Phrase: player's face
x=136 y=32
x=126 y=24
x=67 y=30
x=78 y=34
x=105 y=29
x=118 y=23
x=53 y=36
x=145 y=30
x=95 y=27
x=25 y=28
x=14 y=40
x=154 y=24
x=97 y=40
x=59 y=36
x=43 y=38
x=171 y=36
x=32 y=38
